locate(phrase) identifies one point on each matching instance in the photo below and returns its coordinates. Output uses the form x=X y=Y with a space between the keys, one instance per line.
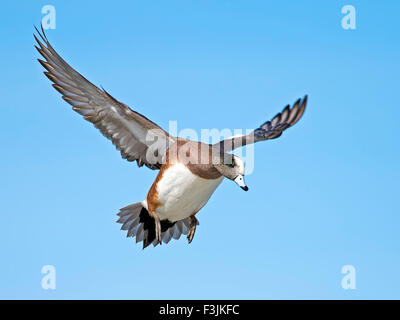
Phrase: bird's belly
x=181 y=193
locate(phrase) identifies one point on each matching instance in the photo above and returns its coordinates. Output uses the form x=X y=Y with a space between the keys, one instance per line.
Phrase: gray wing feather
x=126 y=128
x=269 y=130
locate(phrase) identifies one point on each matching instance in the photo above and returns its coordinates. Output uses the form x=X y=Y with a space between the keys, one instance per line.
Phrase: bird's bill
x=240 y=182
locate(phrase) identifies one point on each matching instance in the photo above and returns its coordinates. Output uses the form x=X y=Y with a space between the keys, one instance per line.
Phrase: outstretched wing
x=131 y=133
x=269 y=130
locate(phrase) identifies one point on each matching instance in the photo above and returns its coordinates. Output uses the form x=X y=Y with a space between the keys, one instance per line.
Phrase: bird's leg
x=158 y=229
x=192 y=230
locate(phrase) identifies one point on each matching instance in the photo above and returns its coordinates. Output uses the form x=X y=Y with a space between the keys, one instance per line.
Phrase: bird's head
x=232 y=167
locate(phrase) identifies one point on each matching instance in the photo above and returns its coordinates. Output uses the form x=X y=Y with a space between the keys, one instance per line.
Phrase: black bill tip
x=246 y=188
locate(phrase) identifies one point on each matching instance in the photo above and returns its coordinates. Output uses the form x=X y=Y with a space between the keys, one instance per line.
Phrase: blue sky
x=322 y=196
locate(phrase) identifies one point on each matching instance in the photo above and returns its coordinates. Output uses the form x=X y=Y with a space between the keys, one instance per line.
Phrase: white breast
x=182 y=193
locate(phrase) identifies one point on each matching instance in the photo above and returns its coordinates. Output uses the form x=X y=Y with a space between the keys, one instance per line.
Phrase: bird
x=189 y=171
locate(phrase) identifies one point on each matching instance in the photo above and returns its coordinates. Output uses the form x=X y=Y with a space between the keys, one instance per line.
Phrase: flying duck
x=189 y=171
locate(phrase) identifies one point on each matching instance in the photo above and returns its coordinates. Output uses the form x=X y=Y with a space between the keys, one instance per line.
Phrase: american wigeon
x=190 y=171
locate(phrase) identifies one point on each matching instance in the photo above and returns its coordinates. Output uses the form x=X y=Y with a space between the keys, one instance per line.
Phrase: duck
x=188 y=171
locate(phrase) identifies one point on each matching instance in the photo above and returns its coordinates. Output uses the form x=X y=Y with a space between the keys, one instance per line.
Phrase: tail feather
x=140 y=225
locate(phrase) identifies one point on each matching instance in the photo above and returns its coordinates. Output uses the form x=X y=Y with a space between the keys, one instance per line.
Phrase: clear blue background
x=322 y=196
